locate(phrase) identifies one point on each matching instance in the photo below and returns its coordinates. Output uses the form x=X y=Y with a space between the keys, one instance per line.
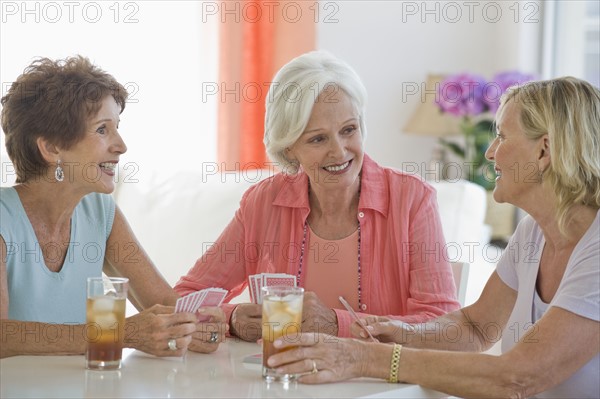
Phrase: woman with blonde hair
x=545 y=293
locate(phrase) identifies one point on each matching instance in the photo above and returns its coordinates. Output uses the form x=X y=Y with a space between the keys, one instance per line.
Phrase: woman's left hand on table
x=320 y=358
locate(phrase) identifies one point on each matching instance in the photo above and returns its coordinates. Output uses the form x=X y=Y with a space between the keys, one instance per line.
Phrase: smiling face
x=330 y=150
x=518 y=159
x=90 y=164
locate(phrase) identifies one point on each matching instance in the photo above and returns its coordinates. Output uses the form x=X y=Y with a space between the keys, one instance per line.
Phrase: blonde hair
x=568 y=110
x=293 y=94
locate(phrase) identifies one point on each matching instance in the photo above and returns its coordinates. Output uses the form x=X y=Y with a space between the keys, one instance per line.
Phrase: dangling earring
x=540 y=176
x=59 y=175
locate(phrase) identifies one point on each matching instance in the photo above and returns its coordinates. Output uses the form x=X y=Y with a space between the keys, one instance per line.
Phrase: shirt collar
x=374 y=187
x=293 y=192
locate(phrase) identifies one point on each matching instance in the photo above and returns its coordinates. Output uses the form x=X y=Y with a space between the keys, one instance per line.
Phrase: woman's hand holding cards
x=151 y=330
x=211 y=323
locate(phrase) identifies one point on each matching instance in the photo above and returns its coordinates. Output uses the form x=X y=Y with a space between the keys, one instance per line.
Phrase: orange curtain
x=256 y=39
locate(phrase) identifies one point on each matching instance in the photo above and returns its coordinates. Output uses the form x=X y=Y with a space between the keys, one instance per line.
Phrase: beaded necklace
x=302 y=261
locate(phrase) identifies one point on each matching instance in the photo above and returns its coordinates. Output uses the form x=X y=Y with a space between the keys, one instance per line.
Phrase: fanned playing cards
x=257 y=281
x=208 y=297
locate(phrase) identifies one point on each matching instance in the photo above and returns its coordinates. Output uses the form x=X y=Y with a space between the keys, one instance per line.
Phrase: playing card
x=257 y=287
x=254 y=284
x=207 y=297
x=252 y=288
x=212 y=297
x=196 y=300
x=257 y=281
x=272 y=279
x=179 y=305
x=186 y=301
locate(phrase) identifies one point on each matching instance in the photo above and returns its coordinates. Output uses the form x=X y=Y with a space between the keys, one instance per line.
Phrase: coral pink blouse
x=405 y=270
x=331 y=269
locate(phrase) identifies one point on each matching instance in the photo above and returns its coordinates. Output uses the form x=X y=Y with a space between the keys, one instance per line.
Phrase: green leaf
x=455 y=148
x=485 y=125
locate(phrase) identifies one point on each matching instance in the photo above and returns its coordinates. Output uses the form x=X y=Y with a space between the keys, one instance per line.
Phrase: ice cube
x=106 y=320
x=104 y=304
x=289 y=298
x=270 y=306
x=280 y=320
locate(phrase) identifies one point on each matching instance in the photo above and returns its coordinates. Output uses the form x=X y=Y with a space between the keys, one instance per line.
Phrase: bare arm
x=474 y=328
x=558 y=345
x=148 y=331
x=20 y=337
x=126 y=257
x=33 y=338
x=151 y=329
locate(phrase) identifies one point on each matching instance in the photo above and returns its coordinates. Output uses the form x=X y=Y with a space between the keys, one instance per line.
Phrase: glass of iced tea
x=281 y=317
x=105 y=322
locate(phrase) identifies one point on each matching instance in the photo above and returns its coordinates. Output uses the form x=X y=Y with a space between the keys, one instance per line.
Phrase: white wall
x=161 y=52
x=392 y=44
x=165 y=51
x=168 y=50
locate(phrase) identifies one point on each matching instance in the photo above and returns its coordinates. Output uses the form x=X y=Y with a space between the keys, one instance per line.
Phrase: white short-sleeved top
x=578 y=292
x=35 y=292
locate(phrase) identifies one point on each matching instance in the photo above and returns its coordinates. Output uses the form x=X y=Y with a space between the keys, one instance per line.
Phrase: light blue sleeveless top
x=35 y=292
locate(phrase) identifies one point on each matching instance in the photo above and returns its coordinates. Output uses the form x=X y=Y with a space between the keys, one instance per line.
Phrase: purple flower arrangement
x=469 y=94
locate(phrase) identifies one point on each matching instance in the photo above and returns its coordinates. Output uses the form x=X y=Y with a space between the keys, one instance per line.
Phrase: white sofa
x=177 y=217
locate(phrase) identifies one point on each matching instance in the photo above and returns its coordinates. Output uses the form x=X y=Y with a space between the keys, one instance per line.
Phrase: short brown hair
x=53 y=99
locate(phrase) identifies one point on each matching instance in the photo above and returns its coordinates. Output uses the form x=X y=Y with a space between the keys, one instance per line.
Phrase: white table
x=222 y=374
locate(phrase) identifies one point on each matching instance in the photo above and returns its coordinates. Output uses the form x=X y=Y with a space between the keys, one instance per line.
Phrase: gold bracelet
x=395 y=363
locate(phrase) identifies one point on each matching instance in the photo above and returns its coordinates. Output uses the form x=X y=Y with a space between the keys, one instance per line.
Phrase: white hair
x=293 y=93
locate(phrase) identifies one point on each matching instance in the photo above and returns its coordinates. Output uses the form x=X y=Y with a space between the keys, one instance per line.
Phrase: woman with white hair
x=545 y=292
x=335 y=219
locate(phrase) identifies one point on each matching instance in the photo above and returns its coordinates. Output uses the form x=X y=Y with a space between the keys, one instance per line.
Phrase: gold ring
x=314 y=369
x=172 y=344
